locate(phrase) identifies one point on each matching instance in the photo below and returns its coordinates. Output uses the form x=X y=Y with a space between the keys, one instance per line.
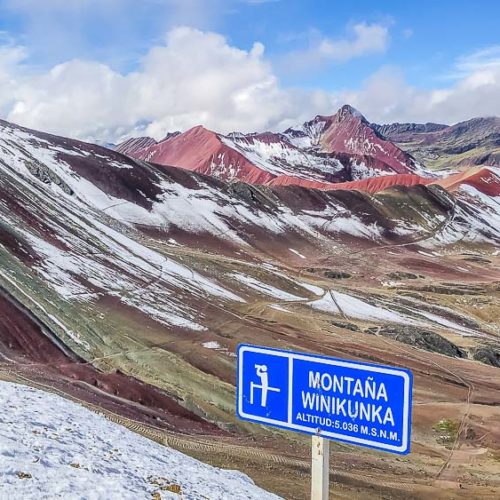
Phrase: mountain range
x=465 y=144
x=128 y=277
x=337 y=148
x=343 y=147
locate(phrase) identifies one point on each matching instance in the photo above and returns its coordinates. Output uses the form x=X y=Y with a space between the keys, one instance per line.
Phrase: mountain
x=127 y=285
x=349 y=133
x=342 y=147
x=465 y=144
x=254 y=158
x=134 y=144
x=130 y=146
x=403 y=132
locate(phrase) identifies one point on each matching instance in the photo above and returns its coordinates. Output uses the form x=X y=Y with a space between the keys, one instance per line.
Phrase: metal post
x=320 y=468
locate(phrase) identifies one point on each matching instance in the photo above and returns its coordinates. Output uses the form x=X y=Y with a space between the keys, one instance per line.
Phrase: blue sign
x=359 y=403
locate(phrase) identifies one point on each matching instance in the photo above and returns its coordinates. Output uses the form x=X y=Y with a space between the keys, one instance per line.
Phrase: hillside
x=463 y=145
x=52 y=447
x=128 y=285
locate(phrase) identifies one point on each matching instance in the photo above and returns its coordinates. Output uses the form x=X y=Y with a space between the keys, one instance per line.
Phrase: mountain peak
x=347 y=112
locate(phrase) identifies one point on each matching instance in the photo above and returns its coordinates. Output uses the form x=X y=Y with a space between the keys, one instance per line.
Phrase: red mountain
x=349 y=132
x=201 y=150
x=339 y=148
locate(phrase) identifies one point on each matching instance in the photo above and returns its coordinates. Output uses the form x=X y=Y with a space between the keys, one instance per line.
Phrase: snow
x=277 y=307
x=358 y=309
x=296 y=253
x=447 y=323
x=312 y=288
x=264 y=288
x=308 y=134
x=279 y=155
x=67 y=451
x=355 y=308
x=212 y=345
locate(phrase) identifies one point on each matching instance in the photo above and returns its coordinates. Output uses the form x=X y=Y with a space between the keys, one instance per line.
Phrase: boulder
x=423 y=339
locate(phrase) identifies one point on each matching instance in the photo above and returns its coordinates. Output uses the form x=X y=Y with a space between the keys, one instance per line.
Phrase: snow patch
x=264 y=288
x=66 y=451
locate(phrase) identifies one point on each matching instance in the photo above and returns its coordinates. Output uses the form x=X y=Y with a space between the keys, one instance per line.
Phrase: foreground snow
x=53 y=448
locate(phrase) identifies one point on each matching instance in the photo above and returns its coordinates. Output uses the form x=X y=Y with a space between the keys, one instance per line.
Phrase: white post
x=320 y=468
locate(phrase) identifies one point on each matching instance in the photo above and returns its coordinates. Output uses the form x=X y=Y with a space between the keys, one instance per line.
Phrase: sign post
x=358 y=403
x=320 y=468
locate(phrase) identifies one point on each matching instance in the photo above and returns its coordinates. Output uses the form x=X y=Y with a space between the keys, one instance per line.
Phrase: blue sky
x=435 y=57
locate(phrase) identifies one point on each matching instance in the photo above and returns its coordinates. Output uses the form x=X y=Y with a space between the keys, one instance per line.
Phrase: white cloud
x=11 y=58
x=197 y=77
x=194 y=77
x=487 y=58
x=364 y=39
x=367 y=39
x=474 y=91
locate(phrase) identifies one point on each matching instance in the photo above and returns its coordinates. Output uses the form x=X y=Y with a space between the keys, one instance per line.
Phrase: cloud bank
x=195 y=77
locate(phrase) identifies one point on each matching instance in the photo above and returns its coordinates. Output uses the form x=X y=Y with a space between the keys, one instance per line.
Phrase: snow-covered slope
x=134 y=267
x=128 y=285
x=71 y=211
x=53 y=448
x=350 y=137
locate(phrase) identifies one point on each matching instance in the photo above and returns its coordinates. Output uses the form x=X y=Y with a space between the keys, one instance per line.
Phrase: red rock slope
x=369 y=185
x=483 y=179
x=349 y=132
x=201 y=150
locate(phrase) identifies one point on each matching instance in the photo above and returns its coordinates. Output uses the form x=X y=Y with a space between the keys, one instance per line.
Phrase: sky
x=104 y=70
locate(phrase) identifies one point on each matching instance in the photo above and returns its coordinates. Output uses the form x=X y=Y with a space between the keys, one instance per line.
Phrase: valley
x=127 y=285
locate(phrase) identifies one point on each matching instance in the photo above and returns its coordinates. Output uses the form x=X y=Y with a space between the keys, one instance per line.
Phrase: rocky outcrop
x=423 y=339
x=401 y=275
x=488 y=354
x=46 y=175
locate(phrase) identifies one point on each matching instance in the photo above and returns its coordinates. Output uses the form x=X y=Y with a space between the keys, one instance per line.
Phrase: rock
x=46 y=175
x=479 y=260
x=347 y=326
x=424 y=339
x=24 y=475
x=336 y=274
x=174 y=488
x=488 y=354
x=400 y=275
